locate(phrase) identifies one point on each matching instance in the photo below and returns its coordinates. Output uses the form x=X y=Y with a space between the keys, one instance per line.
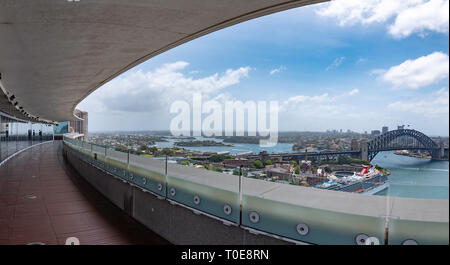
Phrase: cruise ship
x=368 y=181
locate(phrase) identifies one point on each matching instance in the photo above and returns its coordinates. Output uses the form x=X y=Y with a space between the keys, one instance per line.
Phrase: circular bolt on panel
x=410 y=242
x=361 y=239
x=254 y=217
x=144 y=180
x=159 y=186
x=196 y=199
x=227 y=209
x=302 y=229
x=172 y=192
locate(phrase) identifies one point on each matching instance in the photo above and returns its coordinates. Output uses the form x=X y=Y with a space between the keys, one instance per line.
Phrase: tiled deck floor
x=65 y=205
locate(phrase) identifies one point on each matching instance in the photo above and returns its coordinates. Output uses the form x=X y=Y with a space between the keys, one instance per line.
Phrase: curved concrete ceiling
x=54 y=53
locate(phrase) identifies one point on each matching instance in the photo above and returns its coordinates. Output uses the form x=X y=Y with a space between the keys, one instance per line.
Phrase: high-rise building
x=80 y=126
x=385 y=129
x=375 y=132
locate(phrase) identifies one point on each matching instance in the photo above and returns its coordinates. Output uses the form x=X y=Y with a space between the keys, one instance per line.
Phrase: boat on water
x=368 y=181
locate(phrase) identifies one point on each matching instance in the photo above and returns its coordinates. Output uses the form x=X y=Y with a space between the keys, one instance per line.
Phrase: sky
x=346 y=64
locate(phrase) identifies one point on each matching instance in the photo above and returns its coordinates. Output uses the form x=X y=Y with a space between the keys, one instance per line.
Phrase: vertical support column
x=1 y=138
x=17 y=135
x=31 y=132
x=7 y=136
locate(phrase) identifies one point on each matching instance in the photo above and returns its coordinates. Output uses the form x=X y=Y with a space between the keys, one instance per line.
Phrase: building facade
x=80 y=126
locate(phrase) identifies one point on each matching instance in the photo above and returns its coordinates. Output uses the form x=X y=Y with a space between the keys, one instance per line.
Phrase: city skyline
x=369 y=71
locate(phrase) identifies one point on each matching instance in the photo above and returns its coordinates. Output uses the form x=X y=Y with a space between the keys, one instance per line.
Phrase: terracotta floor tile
x=61 y=208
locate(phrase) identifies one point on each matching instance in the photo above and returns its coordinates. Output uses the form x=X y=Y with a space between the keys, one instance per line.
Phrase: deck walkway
x=44 y=200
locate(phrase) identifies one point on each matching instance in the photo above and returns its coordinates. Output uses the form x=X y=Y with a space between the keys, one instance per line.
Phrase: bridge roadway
x=65 y=204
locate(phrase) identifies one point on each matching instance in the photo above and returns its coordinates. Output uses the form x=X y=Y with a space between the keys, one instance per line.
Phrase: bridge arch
x=386 y=142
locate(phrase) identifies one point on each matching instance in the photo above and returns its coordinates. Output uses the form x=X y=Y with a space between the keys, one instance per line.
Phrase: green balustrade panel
x=211 y=192
x=418 y=232
x=419 y=221
x=98 y=153
x=117 y=163
x=311 y=215
x=148 y=173
x=309 y=225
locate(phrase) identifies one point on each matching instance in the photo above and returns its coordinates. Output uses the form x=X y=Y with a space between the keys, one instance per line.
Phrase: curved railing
x=17 y=136
x=287 y=212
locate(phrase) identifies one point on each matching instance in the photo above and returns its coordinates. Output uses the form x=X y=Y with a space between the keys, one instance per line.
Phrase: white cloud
x=353 y=92
x=277 y=70
x=155 y=90
x=429 y=16
x=336 y=63
x=423 y=71
x=318 y=99
x=435 y=104
x=409 y=16
x=318 y=103
x=377 y=72
x=361 y=60
x=319 y=112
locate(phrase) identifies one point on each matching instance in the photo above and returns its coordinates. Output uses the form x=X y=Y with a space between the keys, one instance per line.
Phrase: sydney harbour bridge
x=401 y=139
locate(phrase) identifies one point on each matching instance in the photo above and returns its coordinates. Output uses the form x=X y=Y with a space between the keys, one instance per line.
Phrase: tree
x=218 y=169
x=258 y=164
x=185 y=163
x=143 y=148
x=153 y=150
x=297 y=169
x=268 y=162
x=343 y=160
x=167 y=151
x=293 y=162
x=327 y=169
x=216 y=158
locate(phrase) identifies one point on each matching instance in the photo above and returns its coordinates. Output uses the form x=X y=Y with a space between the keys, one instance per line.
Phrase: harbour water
x=235 y=149
x=414 y=177
x=410 y=177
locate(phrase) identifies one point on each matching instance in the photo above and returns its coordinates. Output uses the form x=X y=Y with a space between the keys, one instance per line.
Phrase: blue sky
x=329 y=71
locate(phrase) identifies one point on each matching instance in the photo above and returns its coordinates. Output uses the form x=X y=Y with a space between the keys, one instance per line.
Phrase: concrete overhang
x=54 y=53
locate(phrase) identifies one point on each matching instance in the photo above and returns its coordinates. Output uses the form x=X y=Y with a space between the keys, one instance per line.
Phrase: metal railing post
x=165 y=178
x=128 y=161
x=240 y=194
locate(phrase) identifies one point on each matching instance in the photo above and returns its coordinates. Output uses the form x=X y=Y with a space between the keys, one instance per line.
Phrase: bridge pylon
x=364 y=149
